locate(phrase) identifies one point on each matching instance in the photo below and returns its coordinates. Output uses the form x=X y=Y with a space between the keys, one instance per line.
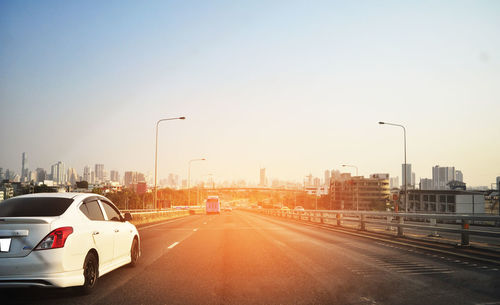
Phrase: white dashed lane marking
x=173 y=245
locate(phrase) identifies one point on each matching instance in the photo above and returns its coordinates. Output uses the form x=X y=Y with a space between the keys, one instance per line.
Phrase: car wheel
x=134 y=253
x=90 y=273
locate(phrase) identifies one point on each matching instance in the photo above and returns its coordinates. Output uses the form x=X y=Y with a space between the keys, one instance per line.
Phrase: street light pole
x=357 y=184
x=156 y=157
x=405 y=185
x=189 y=178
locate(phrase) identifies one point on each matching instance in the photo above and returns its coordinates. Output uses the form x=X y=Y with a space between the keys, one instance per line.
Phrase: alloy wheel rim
x=90 y=273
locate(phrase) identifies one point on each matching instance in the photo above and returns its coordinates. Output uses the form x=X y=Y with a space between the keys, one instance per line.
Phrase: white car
x=63 y=240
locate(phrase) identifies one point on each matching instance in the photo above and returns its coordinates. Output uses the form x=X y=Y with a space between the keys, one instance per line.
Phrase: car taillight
x=55 y=239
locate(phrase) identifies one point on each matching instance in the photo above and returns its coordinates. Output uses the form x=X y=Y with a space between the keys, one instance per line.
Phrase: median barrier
x=140 y=217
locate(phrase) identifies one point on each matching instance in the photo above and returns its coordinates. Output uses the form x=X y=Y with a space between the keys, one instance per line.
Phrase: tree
x=82 y=184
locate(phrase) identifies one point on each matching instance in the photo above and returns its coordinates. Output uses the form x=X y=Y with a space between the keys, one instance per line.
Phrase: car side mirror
x=127 y=216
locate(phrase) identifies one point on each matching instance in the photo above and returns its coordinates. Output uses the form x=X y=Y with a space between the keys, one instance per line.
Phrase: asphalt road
x=244 y=258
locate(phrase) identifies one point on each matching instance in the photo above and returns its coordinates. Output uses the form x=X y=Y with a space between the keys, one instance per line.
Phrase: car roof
x=69 y=195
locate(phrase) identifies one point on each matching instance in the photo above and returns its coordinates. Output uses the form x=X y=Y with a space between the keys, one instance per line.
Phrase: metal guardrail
x=387 y=219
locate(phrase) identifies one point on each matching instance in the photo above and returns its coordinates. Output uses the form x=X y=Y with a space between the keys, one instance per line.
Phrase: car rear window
x=33 y=206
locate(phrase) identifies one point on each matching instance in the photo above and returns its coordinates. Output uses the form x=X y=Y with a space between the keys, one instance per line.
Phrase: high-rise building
x=41 y=175
x=58 y=173
x=394 y=182
x=172 y=180
x=141 y=177
x=263 y=179
x=351 y=193
x=72 y=176
x=8 y=174
x=309 y=181
x=327 y=178
x=130 y=178
x=426 y=184
x=406 y=173
x=459 y=176
x=113 y=176
x=86 y=174
x=1 y=174
x=441 y=176
x=99 y=173
x=24 y=167
x=32 y=176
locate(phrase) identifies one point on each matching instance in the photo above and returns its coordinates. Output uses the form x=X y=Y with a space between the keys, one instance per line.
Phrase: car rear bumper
x=63 y=279
x=44 y=268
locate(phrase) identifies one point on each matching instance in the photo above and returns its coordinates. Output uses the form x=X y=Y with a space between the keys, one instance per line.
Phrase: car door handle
x=95 y=232
x=116 y=230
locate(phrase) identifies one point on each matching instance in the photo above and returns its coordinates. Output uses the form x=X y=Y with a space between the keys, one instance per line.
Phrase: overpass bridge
x=243 y=257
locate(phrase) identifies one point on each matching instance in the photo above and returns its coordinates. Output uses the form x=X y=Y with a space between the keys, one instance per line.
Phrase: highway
x=244 y=258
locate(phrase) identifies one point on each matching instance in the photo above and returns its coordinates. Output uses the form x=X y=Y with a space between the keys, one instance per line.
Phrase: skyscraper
x=86 y=174
x=72 y=176
x=130 y=178
x=327 y=177
x=426 y=184
x=41 y=175
x=263 y=179
x=441 y=176
x=113 y=176
x=58 y=173
x=459 y=176
x=24 y=167
x=406 y=173
x=99 y=173
x=394 y=182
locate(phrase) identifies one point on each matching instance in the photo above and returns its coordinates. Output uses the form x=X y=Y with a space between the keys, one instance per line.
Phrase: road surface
x=245 y=258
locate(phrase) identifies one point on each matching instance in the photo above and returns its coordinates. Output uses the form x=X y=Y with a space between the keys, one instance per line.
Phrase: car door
x=121 y=231
x=102 y=232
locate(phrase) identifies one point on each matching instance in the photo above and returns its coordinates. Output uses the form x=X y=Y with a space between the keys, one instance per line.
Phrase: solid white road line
x=173 y=245
x=195 y=229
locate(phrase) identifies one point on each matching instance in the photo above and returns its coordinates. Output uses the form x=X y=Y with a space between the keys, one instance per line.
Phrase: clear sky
x=296 y=87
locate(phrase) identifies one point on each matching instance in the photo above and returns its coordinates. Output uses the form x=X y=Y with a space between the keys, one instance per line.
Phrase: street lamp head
x=203 y=159
x=343 y=165
x=381 y=123
x=182 y=118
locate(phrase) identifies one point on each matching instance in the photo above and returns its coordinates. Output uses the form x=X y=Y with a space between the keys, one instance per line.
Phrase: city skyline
x=441 y=176
x=293 y=88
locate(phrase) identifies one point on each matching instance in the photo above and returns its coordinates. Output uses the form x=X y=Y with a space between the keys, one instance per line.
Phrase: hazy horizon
x=294 y=87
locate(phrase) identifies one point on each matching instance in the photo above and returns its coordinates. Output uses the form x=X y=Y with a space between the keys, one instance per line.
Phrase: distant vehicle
x=299 y=208
x=285 y=209
x=63 y=240
x=213 y=205
x=228 y=209
x=259 y=207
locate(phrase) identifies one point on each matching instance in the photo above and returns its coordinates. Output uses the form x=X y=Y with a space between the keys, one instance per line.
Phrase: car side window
x=92 y=210
x=113 y=215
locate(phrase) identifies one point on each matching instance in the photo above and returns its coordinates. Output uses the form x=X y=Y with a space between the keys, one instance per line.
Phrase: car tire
x=134 y=253
x=90 y=274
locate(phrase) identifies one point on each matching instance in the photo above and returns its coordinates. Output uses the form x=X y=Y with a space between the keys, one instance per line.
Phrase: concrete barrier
x=148 y=216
